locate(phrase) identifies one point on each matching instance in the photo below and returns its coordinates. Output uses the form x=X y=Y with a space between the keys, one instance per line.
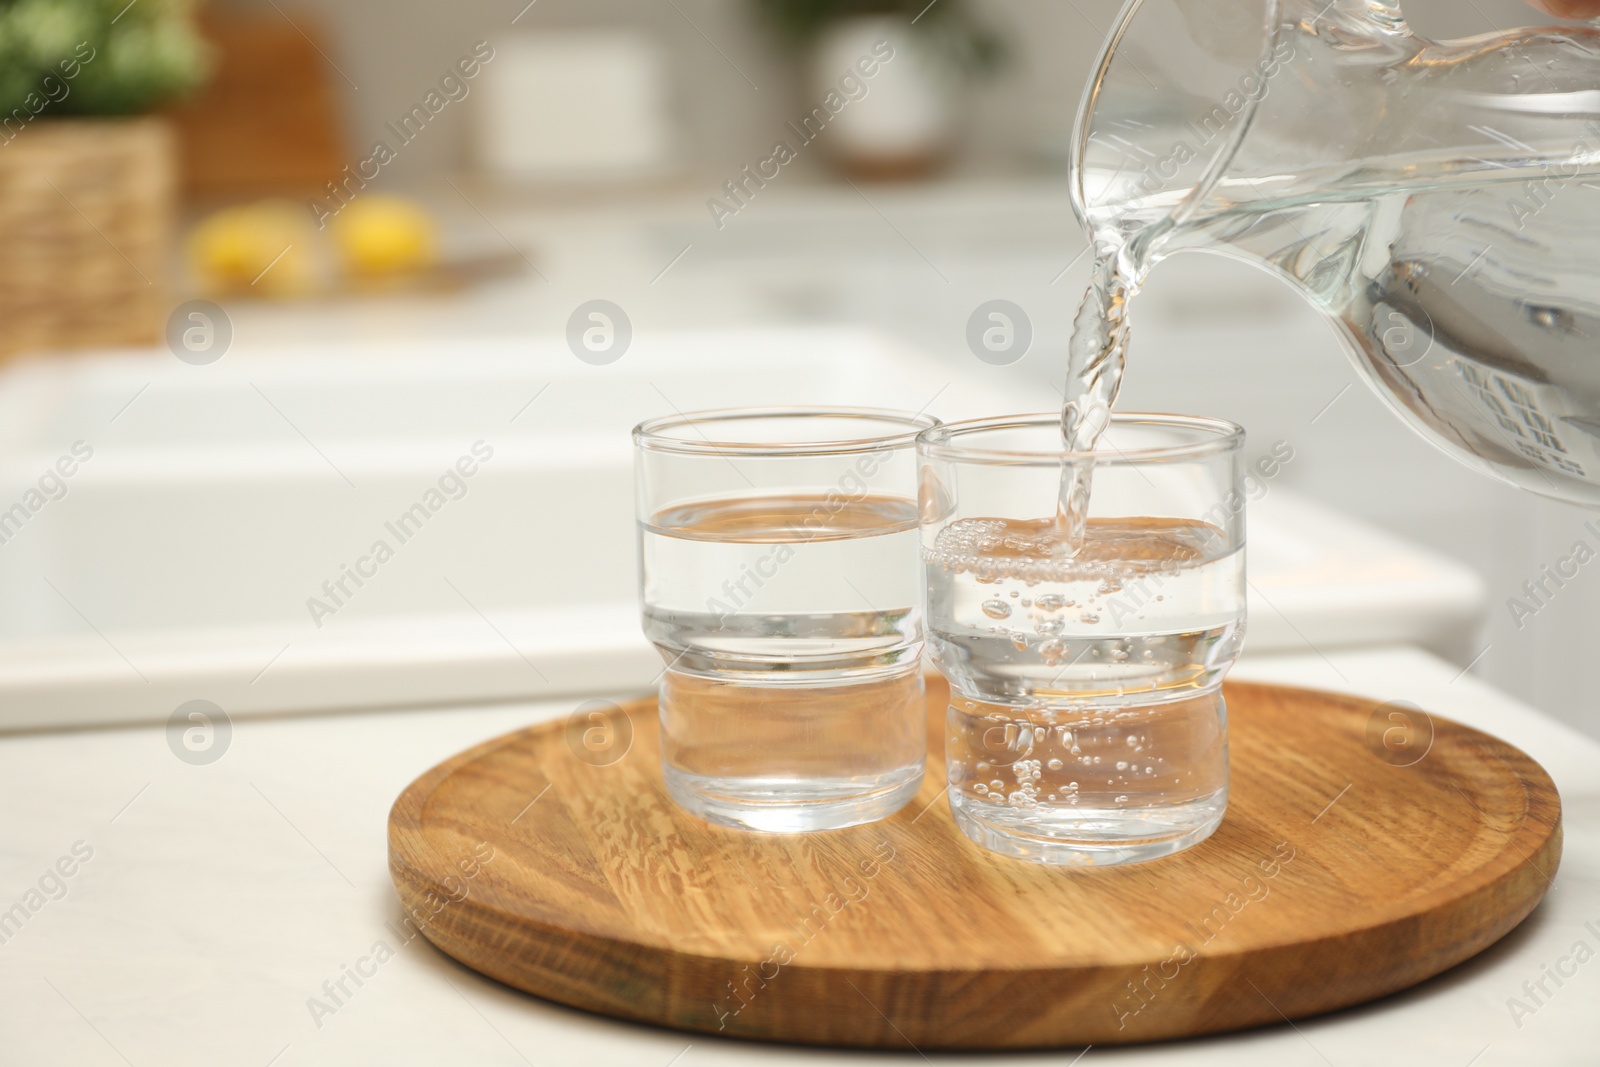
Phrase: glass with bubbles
x=1087 y=724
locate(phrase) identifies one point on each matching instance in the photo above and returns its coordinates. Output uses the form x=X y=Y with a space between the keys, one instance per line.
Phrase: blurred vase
x=897 y=122
x=86 y=207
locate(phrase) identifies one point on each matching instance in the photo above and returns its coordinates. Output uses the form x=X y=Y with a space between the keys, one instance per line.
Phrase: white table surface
x=219 y=899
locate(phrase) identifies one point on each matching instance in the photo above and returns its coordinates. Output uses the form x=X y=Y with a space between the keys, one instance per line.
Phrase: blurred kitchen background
x=271 y=268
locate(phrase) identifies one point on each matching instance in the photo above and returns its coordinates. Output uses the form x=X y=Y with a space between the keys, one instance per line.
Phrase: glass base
x=1089 y=837
x=793 y=805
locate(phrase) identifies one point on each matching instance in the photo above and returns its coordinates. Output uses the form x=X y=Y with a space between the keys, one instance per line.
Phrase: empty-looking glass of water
x=778 y=561
x=1086 y=721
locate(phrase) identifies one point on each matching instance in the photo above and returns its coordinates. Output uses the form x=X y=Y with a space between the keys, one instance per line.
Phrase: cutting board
x=1366 y=848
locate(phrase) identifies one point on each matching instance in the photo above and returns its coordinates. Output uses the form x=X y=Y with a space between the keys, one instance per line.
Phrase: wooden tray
x=1354 y=861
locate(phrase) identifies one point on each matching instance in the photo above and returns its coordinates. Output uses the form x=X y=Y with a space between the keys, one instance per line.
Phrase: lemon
x=379 y=235
x=266 y=247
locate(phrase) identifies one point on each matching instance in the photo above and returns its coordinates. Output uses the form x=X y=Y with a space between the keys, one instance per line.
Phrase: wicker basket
x=86 y=214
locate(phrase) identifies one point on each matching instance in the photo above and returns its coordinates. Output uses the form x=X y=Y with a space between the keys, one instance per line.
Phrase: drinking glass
x=1086 y=721
x=779 y=581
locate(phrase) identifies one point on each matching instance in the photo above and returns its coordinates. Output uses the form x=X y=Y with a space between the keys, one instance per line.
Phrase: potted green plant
x=87 y=176
x=885 y=75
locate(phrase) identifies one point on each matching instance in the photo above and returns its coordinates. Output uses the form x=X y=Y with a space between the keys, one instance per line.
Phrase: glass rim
x=1215 y=437
x=652 y=434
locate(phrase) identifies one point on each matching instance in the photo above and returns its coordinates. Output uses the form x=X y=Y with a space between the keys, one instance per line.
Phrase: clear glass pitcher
x=1438 y=201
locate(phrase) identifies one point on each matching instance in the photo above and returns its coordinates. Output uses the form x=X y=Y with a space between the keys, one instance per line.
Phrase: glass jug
x=1438 y=201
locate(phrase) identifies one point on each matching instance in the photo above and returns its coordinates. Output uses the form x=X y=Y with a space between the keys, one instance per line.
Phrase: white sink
x=180 y=561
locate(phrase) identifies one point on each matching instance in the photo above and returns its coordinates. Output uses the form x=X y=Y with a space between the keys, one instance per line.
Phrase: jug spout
x=1438 y=201
x=1183 y=82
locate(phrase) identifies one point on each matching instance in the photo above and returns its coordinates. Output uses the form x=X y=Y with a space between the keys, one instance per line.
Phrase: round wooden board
x=1339 y=875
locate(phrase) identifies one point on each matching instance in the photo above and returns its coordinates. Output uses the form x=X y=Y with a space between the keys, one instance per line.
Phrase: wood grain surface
x=268 y=120
x=1367 y=847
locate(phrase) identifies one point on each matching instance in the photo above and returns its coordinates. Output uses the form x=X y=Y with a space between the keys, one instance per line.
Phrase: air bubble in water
x=996 y=609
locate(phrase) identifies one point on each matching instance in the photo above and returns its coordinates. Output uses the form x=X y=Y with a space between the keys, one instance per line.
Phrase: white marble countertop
x=215 y=900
